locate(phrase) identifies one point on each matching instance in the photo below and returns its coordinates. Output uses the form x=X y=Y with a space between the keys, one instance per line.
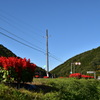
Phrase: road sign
x=90 y=71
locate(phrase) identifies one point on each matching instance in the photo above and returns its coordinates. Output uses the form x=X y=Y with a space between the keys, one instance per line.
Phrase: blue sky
x=73 y=27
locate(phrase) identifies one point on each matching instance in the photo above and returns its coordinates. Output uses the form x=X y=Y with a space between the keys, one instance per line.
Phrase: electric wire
x=22 y=43
x=28 y=46
x=50 y=55
x=9 y=23
x=21 y=21
x=20 y=38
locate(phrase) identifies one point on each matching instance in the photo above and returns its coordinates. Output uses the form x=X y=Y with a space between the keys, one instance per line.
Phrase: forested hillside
x=5 y=52
x=90 y=61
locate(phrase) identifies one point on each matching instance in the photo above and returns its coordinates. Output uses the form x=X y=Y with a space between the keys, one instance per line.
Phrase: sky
x=73 y=28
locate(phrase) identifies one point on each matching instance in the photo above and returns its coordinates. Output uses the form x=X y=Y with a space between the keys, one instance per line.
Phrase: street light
x=76 y=63
x=71 y=68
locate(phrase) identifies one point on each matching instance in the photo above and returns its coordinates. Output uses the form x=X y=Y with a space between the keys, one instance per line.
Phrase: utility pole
x=47 y=54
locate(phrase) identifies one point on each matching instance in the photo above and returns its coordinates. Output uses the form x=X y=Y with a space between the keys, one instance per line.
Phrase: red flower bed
x=78 y=75
x=45 y=77
x=87 y=76
x=17 y=63
x=37 y=76
x=17 y=68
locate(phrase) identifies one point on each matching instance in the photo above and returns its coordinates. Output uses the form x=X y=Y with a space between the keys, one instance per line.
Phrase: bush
x=74 y=89
x=61 y=89
x=16 y=69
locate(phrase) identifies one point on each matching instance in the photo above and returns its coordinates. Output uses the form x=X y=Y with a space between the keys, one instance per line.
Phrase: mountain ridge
x=90 y=60
x=6 y=52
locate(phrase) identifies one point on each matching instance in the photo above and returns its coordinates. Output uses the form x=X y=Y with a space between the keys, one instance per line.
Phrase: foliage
x=56 y=89
x=17 y=69
x=39 y=72
x=90 y=61
x=72 y=89
x=7 y=93
x=6 y=52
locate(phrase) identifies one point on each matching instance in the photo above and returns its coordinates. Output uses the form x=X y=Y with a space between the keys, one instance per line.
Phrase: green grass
x=55 y=89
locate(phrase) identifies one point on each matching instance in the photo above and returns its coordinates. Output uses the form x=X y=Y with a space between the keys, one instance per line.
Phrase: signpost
x=89 y=72
x=92 y=72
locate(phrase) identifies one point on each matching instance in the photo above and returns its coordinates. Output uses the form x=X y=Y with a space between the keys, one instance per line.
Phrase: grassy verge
x=55 y=89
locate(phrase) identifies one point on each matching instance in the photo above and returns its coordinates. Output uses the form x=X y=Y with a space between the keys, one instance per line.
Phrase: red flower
x=18 y=67
x=45 y=77
x=17 y=63
x=37 y=76
x=76 y=75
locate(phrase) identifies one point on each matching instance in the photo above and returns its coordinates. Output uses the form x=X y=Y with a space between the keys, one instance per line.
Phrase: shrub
x=16 y=69
x=74 y=89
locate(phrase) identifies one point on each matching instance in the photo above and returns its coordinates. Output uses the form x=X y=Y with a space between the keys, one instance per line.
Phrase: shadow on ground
x=45 y=88
x=31 y=87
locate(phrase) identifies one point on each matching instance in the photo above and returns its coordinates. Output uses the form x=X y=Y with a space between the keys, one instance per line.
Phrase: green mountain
x=39 y=71
x=6 y=52
x=90 y=61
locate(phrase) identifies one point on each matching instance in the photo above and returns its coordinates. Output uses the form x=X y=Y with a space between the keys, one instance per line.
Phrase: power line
x=6 y=20
x=22 y=43
x=20 y=38
x=20 y=20
x=51 y=55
